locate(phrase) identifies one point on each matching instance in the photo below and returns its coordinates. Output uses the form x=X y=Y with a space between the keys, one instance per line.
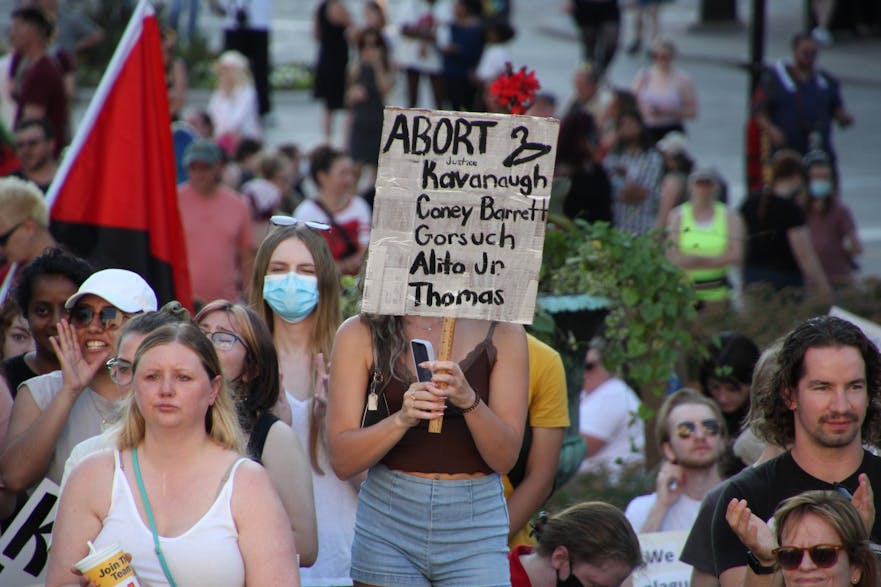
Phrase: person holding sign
x=590 y=543
x=447 y=483
x=819 y=537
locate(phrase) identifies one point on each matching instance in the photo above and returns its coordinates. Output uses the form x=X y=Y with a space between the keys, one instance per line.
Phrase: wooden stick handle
x=445 y=353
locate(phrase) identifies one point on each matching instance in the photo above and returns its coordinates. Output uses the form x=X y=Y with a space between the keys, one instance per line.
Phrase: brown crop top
x=453 y=450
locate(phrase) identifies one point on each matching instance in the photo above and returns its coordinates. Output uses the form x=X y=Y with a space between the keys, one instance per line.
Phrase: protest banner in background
x=662 y=565
x=24 y=545
x=459 y=214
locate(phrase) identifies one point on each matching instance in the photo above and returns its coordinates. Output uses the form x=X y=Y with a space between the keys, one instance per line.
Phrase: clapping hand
x=753 y=532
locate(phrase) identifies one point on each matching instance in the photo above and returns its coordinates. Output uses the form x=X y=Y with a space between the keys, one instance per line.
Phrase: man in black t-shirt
x=825 y=404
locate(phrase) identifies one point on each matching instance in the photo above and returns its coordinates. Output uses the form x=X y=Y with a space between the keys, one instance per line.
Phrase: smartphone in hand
x=422 y=351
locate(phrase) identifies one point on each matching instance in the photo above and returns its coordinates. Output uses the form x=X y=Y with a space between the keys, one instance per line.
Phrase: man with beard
x=690 y=433
x=827 y=404
x=35 y=146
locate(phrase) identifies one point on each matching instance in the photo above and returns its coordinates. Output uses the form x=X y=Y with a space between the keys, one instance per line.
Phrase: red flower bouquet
x=515 y=91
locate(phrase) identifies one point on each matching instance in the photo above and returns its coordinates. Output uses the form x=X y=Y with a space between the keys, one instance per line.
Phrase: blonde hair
x=238 y=64
x=221 y=422
x=21 y=200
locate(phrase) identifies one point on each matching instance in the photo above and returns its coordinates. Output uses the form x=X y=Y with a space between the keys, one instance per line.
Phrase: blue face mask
x=291 y=295
x=821 y=188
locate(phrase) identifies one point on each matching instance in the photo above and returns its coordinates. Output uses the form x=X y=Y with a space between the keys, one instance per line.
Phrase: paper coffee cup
x=108 y=567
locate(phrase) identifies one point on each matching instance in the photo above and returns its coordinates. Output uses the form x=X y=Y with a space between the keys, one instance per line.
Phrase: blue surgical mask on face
x=292 y=296
x=821 y=188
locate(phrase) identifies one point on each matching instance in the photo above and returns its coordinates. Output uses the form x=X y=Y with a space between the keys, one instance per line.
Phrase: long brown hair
x=327 y=312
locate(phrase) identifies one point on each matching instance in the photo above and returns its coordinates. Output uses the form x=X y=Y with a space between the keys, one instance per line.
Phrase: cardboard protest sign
x=459 y=214
x=661 y=553
x=24 y=546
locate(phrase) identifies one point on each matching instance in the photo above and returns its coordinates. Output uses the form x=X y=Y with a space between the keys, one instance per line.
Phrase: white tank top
x=205 y=555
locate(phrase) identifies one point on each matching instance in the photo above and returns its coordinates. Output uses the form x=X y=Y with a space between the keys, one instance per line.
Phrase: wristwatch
x=756 y=565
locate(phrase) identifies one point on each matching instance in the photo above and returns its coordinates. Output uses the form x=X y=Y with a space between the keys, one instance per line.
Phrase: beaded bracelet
x=473 y=406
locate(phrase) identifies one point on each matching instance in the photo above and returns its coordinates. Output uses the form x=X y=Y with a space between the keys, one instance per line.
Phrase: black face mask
x=570 y=581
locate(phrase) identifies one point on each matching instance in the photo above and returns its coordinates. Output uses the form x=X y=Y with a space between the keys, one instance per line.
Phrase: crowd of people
x=280 y=444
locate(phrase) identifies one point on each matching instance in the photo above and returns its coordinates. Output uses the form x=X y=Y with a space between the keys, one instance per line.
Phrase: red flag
x=114 y=199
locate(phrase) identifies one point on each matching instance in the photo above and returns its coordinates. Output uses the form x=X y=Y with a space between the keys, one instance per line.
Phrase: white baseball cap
x=124 y=289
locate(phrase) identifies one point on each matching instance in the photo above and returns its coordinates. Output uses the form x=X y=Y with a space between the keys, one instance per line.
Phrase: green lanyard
x=149 y=512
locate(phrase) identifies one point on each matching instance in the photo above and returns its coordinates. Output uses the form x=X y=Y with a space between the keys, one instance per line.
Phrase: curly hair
x=778 y=424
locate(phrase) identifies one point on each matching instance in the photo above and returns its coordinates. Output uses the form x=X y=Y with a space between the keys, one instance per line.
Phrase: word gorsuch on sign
x=459 y=215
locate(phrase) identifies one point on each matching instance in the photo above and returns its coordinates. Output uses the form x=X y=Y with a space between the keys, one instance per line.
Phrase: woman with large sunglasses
x=250 y=367
x=295 y=289
x=54 y=412
x=820 y=538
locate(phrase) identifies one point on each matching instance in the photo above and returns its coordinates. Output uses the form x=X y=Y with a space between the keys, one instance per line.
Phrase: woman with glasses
x=250 y=367
x=348 y=216
x=176 y=493
x=820 y=538
x=54 y=412
x=295 y=290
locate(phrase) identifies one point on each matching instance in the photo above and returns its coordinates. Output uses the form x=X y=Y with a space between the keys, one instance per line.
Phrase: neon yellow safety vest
x=706 y=241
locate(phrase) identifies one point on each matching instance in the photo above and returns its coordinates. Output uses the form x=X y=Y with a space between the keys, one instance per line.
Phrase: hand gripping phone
x=422 y=351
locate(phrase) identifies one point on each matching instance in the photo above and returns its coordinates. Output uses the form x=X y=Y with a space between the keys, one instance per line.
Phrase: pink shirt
x=828 y=233
x=216 y=228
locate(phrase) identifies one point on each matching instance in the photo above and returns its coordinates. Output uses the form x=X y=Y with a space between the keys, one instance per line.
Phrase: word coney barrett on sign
x=459 y=215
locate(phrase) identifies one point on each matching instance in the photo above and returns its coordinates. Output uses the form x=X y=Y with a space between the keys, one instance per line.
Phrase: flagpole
x=133 y=30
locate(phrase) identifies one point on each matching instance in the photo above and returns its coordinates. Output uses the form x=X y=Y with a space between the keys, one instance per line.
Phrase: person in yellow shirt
x=531 y=481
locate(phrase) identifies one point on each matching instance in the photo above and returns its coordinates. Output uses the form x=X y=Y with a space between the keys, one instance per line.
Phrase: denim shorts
x=415 y=531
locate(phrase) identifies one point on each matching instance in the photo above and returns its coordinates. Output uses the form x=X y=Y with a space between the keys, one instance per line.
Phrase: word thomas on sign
x=459 y=215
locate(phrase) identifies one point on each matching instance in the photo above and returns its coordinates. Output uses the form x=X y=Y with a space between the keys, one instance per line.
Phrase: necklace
x=108 y=417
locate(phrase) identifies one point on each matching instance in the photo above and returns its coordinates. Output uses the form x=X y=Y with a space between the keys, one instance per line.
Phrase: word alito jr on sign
x=459 y=215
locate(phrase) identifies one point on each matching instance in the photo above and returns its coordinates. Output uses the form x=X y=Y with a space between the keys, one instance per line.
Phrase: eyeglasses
x=282 y=220
x=824 y=555
x=224 y=340
x=111 y=318
x=120 y=371
x=589 y=365
x=4 y=238
x=710 y=427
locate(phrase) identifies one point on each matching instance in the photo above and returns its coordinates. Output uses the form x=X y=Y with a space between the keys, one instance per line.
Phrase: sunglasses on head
x=710 y=427
x=282 y=220
x=111 y=318
x=824 y=555
x=4 y=238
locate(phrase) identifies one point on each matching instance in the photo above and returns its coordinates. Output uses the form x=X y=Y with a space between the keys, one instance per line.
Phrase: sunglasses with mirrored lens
x=224 y=341
x=4 y=238
x=111 y=318
x=282 y=220
x=824 y=555
x=120 y=371
x=710 y=427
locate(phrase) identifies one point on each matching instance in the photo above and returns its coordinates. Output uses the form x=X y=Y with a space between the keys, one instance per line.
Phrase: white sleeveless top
x=205 y=555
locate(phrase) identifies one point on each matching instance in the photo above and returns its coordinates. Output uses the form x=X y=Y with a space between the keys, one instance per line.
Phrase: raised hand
x=753 y=532
x=864 y=501
x=76 y=372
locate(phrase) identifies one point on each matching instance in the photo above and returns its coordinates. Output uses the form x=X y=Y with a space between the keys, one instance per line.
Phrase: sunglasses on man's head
x=111 y=318
x=4 y=238
x=710 y=427
x=282 y=220
x=824 y=555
